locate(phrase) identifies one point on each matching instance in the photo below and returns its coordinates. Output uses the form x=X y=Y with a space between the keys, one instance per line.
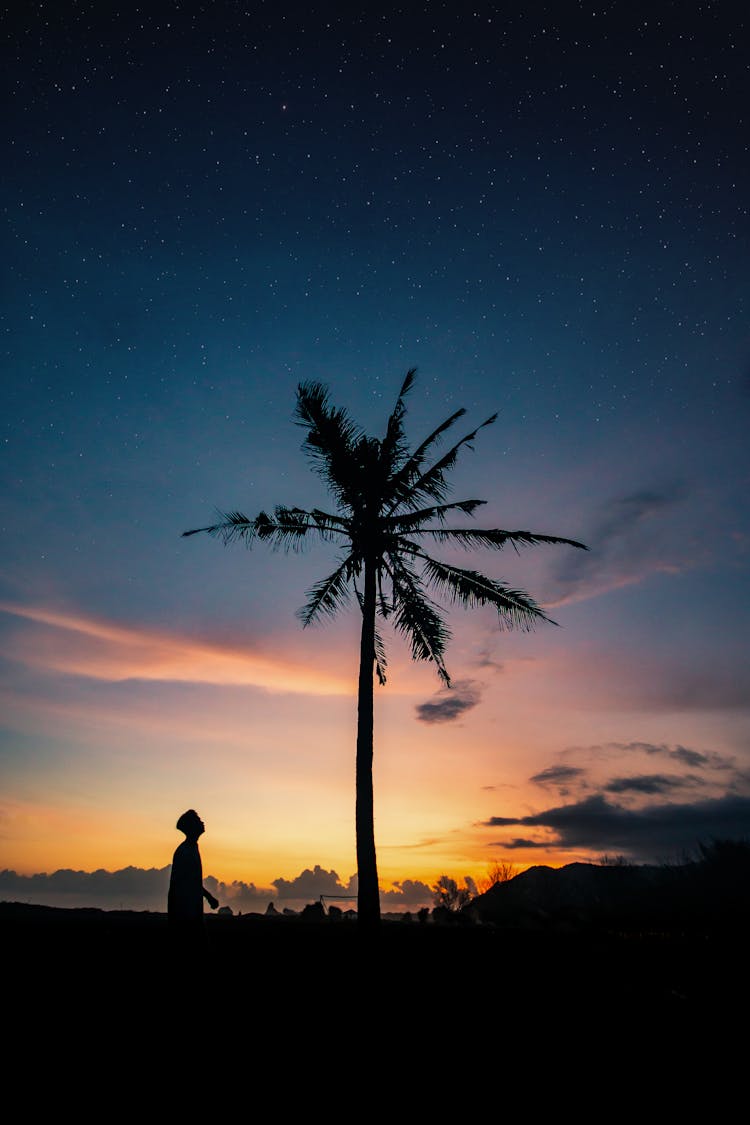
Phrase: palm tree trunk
x=368 y=898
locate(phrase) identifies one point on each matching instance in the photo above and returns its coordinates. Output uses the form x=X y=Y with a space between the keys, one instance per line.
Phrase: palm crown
x=388 y=503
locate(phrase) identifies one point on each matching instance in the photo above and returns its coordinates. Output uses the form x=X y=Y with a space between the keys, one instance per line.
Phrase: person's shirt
x=185 y=899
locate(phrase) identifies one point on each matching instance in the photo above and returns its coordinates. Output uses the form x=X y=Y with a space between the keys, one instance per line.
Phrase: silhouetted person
x=186 y=890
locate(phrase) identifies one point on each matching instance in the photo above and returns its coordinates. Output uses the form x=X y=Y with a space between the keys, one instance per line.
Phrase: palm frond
x=330 y=521
x=327 y=596
x=233 y=526
x=384 y=606
x=331 y=438
x=378 y=654
x=418 y=619
x=515 y=608
x=381 y=661
x=412 y=467
x=410 y=521
x=494 y=538
x=407 y=384
x=287 y=530
x=393 y=447
x=292 y=525
x=433 y=483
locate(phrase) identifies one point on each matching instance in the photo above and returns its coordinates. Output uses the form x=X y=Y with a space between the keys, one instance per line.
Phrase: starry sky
x=541 y=206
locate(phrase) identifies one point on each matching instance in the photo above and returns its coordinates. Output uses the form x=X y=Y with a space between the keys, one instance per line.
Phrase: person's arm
x=212 y=902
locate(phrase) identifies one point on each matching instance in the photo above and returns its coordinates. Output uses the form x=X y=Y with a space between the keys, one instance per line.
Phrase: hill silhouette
x=706 y=896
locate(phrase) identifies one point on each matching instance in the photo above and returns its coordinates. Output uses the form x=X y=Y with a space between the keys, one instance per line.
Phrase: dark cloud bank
x=694 y=797
x=136 y=888
x=656 y=833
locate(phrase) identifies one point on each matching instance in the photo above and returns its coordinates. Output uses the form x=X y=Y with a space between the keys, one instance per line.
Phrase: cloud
x=131 y=888
x=651 y=783
x=410 y=894
x=696 y=759
x=424 y=842
x=569 y=778
x=137 y=888
x=621 y=553
x=243 y=898
x=450 y=703
x=559 y=776
x=485 y=657
x=83 y=646
x=647 y=835
x=310 y=885
x=639 y=747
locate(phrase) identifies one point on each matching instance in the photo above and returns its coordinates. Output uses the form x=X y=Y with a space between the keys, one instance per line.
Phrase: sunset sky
x=544 y=208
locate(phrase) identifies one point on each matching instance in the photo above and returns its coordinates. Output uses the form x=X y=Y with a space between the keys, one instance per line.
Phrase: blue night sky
x=543 y=207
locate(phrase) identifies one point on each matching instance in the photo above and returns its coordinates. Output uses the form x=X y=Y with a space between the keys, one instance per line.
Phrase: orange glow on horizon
x=66 y=837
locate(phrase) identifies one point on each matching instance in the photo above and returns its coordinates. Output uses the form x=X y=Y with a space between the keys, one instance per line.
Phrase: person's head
x=191 y=824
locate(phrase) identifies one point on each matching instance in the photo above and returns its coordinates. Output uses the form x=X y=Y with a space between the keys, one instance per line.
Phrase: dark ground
x=285 y=1012
x=295 y=1018
x=322 y=965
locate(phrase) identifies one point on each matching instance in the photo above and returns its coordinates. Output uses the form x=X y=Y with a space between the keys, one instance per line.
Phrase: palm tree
x=388 y=501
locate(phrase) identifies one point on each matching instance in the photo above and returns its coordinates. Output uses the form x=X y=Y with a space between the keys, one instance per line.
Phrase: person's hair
x=187 y=819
